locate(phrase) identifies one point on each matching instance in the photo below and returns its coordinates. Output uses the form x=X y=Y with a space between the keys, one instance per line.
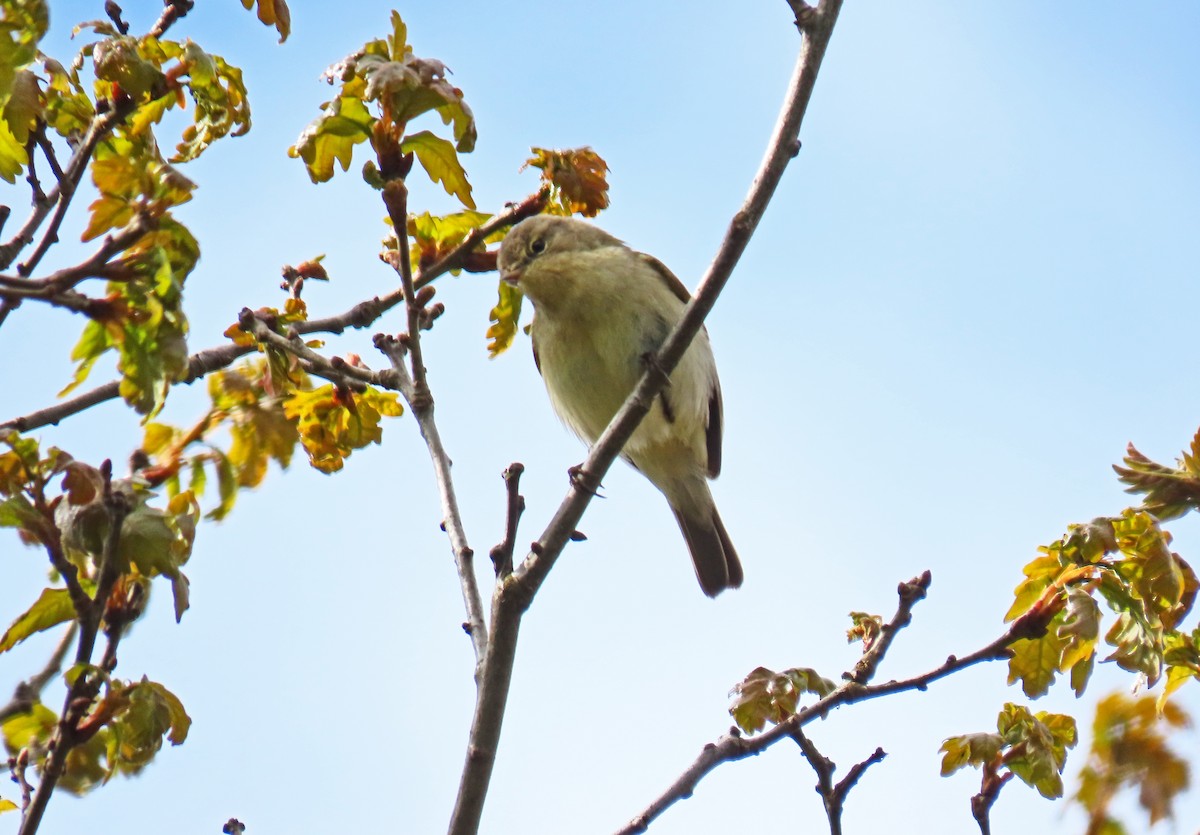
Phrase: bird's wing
x=533 y=342
x=715 y=408
x=712 y=433
x=668 y=277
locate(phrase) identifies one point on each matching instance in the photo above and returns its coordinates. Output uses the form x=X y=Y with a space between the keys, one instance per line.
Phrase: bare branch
x=981 y=804
x=199 y=365
x=174 y=10
x=833 y=796
x=513 y=595
x=61 y=194
x=92 y=267
x=28 y=692
x=733 y=746
x=910 y=593
x=464 y=557
x=502 y=554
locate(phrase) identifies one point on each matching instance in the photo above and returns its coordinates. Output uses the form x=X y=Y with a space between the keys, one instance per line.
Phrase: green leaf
x=1080 y=631
x=331 y=137
x=222 y=108
x=505 y=318
x=1037 y=746
x=52 y=607
x=273 y=13
x=332 y=424
x=1138 y=647
x=1169 y=492
x=969 y=749
x=766 y=696
x=1035 y=661
x=440 y=161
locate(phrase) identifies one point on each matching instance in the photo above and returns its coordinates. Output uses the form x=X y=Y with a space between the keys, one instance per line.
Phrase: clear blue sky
x=972 y=290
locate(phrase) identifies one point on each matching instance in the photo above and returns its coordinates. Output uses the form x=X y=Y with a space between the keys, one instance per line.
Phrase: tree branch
x=910 y=594
x=61 y=194
x=502 y=554
x=362 y=315
x=833 y=796
x=82 y=692
x=464 y=556
x=28 y=692
x=514 y=594
x=733 y=746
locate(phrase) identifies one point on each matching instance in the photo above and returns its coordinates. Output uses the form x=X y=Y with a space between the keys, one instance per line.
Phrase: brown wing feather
x=533 y=342
x=668 y=277
x=713 y=431
x=715 y=417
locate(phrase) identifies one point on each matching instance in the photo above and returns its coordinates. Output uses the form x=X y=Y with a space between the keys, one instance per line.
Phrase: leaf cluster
x=120 y=734
x=1030 y=746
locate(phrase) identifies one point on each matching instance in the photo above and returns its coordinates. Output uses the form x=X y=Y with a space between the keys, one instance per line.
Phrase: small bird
x=601 y=311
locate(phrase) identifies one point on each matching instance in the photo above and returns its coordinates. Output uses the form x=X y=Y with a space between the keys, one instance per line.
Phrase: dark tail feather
x=716 y=561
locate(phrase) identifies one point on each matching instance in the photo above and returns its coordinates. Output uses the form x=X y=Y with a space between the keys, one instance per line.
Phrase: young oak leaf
x=440 y=161
x=332 y=424
x=504 y=317
x=52 y=607
x=273 y=13
x=576 y=178
x=969 y=750
x=766 y=696
x=1037 y=746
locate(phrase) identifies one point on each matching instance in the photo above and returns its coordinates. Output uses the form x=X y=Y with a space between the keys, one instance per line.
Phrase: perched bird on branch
x=601 y=313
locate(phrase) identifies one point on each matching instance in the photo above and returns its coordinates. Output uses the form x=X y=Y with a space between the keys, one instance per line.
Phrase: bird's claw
x=582 y=480
x=650 y=360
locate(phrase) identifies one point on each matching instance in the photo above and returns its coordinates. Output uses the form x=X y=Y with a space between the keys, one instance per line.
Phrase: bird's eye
x=537 y=246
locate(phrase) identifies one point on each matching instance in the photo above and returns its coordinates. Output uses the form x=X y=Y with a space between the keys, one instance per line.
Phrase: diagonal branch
x=514 y=594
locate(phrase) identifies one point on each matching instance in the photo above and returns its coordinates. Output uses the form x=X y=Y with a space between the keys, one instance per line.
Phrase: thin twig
x=981 y=804
x=174 y=10
x=824 y=768
x=92 y=267
x=61 y=194
x=464 y=556
x=502 y=554
x=833 y=796
x=27 y=693
x=910 y=594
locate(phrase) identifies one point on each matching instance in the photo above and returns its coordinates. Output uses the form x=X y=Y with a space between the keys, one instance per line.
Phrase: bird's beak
x=510 y=277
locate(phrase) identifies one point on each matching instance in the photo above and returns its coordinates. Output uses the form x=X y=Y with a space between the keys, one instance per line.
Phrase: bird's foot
x=650 y=360
x=584 y=481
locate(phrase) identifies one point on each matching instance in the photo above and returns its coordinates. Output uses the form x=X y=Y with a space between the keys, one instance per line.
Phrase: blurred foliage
x=120 y=734
x=1130 y=750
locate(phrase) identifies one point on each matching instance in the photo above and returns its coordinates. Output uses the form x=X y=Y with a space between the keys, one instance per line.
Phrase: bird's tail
x=717 y=564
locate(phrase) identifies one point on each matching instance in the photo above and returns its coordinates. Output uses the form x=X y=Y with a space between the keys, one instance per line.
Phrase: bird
x=601 y=312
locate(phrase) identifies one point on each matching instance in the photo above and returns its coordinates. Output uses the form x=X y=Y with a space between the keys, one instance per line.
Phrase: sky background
x=972 y=289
